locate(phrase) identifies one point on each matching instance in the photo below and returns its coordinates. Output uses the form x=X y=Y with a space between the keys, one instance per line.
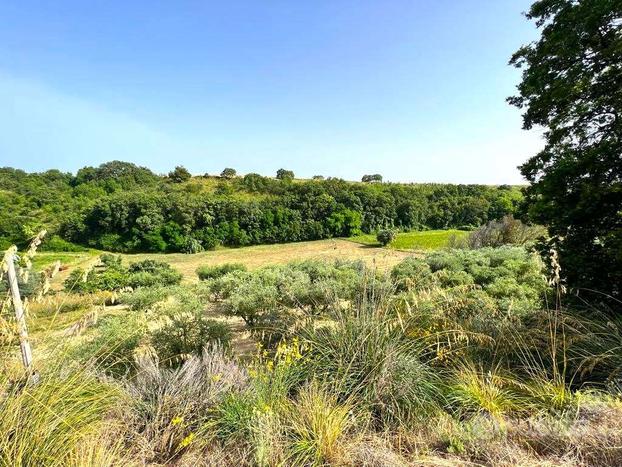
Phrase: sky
x=412 y=89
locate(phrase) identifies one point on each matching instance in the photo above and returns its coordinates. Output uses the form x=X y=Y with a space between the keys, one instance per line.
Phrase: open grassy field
x=426 y=240
x=252 y=257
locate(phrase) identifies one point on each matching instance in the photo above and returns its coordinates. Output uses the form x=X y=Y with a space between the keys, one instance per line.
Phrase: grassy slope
x=426 y=240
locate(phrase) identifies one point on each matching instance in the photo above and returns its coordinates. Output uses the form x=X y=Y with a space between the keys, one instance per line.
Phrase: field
x=426 y=240
x=252 y=257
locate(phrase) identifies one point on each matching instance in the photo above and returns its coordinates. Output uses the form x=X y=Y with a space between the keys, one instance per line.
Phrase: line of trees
x=121 y=207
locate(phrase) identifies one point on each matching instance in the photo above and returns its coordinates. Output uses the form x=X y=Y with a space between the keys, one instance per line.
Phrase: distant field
x=425 y=240
x=253 y=256
x=362 y=247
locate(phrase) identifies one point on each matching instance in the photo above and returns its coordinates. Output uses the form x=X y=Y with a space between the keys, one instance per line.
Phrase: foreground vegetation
x=457 y=356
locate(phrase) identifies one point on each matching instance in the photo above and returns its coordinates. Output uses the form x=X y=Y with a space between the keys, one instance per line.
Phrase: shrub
x=179 y=175
x=507 y=231
x=214 y=272
x=56 y=243
x=114 y=344
x=413 y=273
x=145 y=298
x=365 y=357
x=317 y=424
x=228 y=173
x=255 y=297
x=385 y=237
x=185 y=334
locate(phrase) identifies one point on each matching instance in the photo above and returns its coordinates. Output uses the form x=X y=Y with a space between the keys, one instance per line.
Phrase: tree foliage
x=121 y=207
x=571 y=86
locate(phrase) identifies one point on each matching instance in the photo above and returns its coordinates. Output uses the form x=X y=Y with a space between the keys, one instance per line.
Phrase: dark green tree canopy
x=180 y=174
x=572 y=86
x=228 y=173
x=283 y=174
x=374 y=178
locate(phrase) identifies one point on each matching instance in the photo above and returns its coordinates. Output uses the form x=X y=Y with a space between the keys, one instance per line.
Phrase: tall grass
x=49 y=424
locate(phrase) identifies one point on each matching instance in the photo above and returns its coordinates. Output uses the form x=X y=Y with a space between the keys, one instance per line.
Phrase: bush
x=171 y=407
x=214 y=272
x=56 y=243
x=507 y=231
x=179 y=174
x=228 y=173
x=385 y=237
x=365 y=357
x=114 y=345
x=185 y=334
x=145 y=298
x=111 y=275
x=413 y=274
x=185 y=330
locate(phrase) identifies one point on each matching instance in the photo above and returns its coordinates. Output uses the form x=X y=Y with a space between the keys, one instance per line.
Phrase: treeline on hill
x=119 y=206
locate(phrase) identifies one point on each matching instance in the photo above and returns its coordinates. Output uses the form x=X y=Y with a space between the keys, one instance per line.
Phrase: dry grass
x=254 y=257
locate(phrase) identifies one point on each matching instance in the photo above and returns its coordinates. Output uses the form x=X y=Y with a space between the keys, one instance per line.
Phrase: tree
x=571 y=85
x=180 y=174
x=374 y=178
x=283 y=174
x=228 y=173
x=318 y=177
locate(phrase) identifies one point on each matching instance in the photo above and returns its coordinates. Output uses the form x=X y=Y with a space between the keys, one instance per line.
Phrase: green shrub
x=185 y=330
x=413 y=274
x=117 y=337
x=214 y=272
x=144 y=298
x=507 y=231
x=366 y=357
x=185 y=334
x=56 y=243
x=385 y=236
x=112 y=275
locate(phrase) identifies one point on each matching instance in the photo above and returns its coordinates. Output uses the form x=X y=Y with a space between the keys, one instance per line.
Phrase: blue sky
x=412 y=89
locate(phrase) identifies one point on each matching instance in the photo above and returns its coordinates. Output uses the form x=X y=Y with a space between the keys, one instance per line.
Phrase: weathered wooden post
x=9 y=259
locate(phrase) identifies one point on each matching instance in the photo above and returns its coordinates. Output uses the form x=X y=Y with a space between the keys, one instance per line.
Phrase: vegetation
x=124 y=208
x=455 y=351
x=471 y=354
x=576 y=180
x=110 y=274
x=425 y=240
x=385 y=236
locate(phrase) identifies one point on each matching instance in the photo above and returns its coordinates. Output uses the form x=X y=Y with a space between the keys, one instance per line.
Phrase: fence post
x=18 y=306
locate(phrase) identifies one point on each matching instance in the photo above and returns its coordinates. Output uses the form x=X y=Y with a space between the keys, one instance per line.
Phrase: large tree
x=572 y=87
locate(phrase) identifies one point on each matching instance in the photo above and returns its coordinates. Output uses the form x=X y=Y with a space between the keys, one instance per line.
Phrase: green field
x=426 y=240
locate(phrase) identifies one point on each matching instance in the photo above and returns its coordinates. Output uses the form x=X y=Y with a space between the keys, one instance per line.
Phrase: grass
x=425 y=240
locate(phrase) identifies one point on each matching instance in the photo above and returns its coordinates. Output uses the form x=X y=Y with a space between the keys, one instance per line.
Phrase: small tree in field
x=385 y=236
x=180 y=174
x=374 y=178
x=283 y=174
x=228 y=173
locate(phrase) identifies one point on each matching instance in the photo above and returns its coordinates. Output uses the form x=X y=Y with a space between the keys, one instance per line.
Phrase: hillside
x=121 y=207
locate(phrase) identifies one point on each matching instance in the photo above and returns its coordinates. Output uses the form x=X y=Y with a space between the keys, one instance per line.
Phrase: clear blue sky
x=412 y=89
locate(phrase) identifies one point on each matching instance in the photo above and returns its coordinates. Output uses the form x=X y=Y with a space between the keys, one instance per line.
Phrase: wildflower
x=177 y=421
x=187 y=440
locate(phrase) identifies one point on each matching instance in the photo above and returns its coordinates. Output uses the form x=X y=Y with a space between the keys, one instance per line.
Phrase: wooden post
x=19 y=312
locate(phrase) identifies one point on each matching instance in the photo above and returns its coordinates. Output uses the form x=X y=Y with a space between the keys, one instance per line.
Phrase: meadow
x=314 y=353
x=424 y=240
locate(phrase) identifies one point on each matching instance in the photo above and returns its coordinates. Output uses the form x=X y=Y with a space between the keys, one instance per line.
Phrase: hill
x=121 y=207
